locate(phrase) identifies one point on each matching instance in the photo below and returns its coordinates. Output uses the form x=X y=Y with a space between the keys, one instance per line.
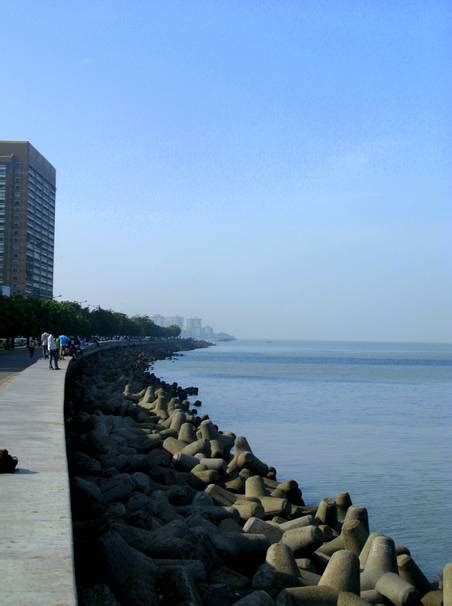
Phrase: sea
x=373 y=419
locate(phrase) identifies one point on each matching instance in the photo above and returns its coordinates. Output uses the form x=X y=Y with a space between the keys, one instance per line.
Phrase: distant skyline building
x=27 y=220
x=168 y=320
x=191 y=328
x=208 y=333
x=158 y=319
x=175 y=321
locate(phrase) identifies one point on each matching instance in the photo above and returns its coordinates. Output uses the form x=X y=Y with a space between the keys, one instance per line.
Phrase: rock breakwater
x=168 y=509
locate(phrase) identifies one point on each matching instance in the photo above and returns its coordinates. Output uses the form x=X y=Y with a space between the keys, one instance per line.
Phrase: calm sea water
x=371 y=418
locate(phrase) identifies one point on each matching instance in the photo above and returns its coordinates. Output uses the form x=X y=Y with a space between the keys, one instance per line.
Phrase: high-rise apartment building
x=27 y=220
x=175 y=321
x=193 y=327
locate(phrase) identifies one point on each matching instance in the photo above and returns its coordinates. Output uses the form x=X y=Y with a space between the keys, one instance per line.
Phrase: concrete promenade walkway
x=13 y=362
x=36 y=560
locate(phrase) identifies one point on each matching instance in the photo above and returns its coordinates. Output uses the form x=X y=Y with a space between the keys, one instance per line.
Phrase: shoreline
x=382 y=432
x=158 y=490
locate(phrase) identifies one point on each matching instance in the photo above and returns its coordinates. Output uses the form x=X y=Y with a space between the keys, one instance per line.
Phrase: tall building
x=193 y=327
x=27 y=220
x=175 y=321
x=158 y=319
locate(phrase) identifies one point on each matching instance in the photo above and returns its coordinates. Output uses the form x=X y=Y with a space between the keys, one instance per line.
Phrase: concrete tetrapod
x=402 y=550
x=447 y=584
x=241 y=444
x=358 y=512
x=208 y=430
x=258 y=526
x=148 y=396
x=366 y=548
x=280 y=557
x=249 y=460
x=286 y=490
x=275 y=506
x=342 y=572
x=254 y=487
x=197 y=446
x=173 y=445
x=244 y=552
x=433 y=598
x=248 y=509
x=328 y=533
x=307 y=520
x=177 y=420
x=185 y=461
x=332 y=546
x=381 y=559
x=129 y=572
x=326 y=512
x=159 y=407
x=256 y=598
x=278 y=571
x=195 y=568
x=216 y=449
x=226 y=442
x=397 y=590
x=350 y=599
x=230 y=525
x=343 y=502
x=187 y=433
x=410 y=572
x=208 y=476
x=320 y=560
x=354 y=535
x=308 y=578
x=215 y=464
x=302 y=540
x=308 y=596
x=178 y=585
x=220 y=495
x=371 y=596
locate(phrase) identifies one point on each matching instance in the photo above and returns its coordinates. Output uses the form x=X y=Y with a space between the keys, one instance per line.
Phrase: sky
x=281 y=169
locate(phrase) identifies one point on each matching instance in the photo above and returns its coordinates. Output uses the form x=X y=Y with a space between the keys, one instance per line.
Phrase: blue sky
x=280 y=169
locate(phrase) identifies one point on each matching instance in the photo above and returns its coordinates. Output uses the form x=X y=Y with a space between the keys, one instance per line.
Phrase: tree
x=30 y=316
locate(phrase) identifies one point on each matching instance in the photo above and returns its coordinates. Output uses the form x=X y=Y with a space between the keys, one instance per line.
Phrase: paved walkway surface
x=13 y=362
x=36 y=559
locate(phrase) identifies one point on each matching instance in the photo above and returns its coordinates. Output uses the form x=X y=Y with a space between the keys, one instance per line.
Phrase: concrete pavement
x=36 y=557
x=13 y=362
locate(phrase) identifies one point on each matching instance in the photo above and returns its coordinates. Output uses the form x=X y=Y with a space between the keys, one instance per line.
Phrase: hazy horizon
x=276 y=169
x=376 y=341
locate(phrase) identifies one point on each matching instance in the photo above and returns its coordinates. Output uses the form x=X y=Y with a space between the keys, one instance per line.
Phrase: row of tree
x=30 y=316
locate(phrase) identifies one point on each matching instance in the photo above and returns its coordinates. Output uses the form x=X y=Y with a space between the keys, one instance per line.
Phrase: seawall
x=169 y=510
x=36 y=546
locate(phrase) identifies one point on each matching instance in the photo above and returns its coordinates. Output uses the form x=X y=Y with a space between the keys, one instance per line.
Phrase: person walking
x=64 y=341
x=53 y=353
x=31 y=346
x=44 y=345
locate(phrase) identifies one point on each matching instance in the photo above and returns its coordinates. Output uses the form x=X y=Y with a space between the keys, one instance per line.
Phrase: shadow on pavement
x=17 y=360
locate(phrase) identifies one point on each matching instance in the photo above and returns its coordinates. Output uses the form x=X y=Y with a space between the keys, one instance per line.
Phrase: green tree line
x=30 y=316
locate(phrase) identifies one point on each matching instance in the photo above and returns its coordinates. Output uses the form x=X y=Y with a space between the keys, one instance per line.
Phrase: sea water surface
x=374 y=419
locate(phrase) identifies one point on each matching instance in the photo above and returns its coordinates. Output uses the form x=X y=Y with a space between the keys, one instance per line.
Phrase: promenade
x=36 y=560
x=13 y=362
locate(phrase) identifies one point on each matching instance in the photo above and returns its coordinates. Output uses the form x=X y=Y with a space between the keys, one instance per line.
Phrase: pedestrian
x=53 y=353
x=45 y=349
x=31 y=346
x=64 y=341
